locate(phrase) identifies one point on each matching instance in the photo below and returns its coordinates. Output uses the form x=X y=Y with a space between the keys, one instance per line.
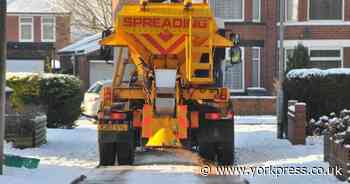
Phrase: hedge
x=324 y=91
x=59 y=93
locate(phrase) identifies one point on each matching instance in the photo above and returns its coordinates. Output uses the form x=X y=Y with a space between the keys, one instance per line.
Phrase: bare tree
x=88 y=15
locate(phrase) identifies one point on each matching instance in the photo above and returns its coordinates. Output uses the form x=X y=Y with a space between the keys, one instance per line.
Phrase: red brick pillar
x=300 y=123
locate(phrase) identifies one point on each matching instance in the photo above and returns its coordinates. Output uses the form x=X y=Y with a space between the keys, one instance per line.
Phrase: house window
x=325 y=59
x=48 y=29
x=256 y=10
x=326 y=9
x=256 y=64
x=231 y=10
x=26 y=29
x=292 y=10
x=233 y=75
x=288 y=53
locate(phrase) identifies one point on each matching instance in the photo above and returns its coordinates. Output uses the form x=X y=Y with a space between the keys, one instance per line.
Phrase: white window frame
x=286 y=12
x=259 y=19
x=42 y=29
x=326 y=21
x=20 y=28
x=242 y=90
x=231 y=20
x=341 y=57
x=259 y=66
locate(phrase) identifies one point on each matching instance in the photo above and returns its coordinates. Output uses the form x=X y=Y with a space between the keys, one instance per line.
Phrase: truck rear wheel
x=125 y=153
x=207 y=151
x=225 y=153
x=107 y=153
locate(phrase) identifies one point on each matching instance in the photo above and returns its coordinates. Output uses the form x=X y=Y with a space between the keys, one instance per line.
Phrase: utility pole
x=3 y=46
x=280 y=94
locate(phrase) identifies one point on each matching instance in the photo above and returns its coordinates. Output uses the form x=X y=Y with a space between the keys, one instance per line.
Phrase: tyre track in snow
x=158 y=166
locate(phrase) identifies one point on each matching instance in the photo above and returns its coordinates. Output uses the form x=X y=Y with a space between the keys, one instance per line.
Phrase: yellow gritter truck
x=171 y=98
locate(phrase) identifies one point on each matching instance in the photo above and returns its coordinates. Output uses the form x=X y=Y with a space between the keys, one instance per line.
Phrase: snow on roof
x=33 y=6
x=83 y=46
x=306 y=73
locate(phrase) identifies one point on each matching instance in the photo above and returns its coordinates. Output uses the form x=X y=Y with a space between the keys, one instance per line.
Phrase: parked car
x=91 y=102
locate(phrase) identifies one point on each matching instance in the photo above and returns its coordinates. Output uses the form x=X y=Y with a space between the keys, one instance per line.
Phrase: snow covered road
x=158 y=167
x=71 y=153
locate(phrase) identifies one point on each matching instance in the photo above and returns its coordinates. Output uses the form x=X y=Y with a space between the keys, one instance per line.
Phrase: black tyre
x=225 y=153
x=125 y=153
x=107 y=154
x=207 y=151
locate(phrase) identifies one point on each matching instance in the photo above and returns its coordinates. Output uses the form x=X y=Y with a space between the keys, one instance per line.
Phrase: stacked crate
x=26 y=133
x=338 y=155
x=27 y=128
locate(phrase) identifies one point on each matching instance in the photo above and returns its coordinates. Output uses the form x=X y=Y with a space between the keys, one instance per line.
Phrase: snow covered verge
x=306 y=73
x=68 y=154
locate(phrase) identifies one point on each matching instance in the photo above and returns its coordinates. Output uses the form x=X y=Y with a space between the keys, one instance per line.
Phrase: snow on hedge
x=314 y=72
x=22 y=75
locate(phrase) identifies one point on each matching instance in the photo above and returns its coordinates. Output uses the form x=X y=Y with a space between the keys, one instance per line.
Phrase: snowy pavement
x=256 y=145
x=255 y=120
x=70 y=153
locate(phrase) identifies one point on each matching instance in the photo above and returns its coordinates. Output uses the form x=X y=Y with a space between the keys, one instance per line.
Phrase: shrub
x=25 y=89
x=299 y=59
x=59 y=93
x=324 y=91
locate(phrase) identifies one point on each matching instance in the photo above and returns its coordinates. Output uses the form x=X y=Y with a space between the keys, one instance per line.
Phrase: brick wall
x=317 y=32
x=248 y=10
x=37 y=28
x=346 y=56
x=247 y=31
x=302 y=10
x=248 y=66
x=347 y=10
x=254 y=106
x=269 y=54
x=63 y=31
x=12 y=31
x=84 y=72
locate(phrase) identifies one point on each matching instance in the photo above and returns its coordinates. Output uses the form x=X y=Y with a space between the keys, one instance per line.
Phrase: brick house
x=323 y=26
x=255 y=22
x=35 y=30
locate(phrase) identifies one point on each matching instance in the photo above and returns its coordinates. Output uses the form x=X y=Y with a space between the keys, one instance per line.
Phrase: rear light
x=212 y=116
x=218 y=116
x=118 y=116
